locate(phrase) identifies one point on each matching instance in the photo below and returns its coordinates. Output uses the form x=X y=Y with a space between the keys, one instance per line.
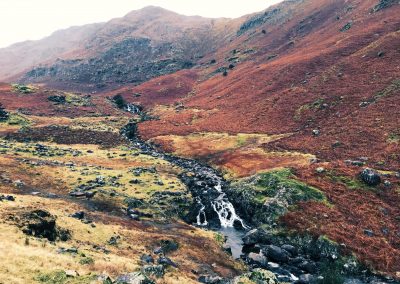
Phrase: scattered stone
x=71 y=273
x=256 y=236
x=320 y=170
x=78 y=215
x=166 y=261
x=257 y=258
x=290 y=249
x=113 y=241
x=369 y=233
x=208 y=279
x=370 y=177
x=18 y=183
x=153 y=270
x=42 y=224
x=316 y=132
x=133 y=278
x=277 y=254
x=7 y=198
x=258 y=275
x=387 y=183
x=146 y=258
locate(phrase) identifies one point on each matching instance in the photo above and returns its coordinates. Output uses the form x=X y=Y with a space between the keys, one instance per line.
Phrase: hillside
x=283 y=124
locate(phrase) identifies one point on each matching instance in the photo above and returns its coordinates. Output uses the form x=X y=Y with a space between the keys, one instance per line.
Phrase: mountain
x=283 y=124
x=144 y=44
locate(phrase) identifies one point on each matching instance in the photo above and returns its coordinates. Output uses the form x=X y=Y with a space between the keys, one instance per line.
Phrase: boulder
x=208 y=279
x=42 y=224
x=256 y=236
x=277 y=254
x=133 y=278
x=166 y=261
x=257 y=276
x=153 y=270
x=370 y=177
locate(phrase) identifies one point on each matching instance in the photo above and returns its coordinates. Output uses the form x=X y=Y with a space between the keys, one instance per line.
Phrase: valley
x=161 y=148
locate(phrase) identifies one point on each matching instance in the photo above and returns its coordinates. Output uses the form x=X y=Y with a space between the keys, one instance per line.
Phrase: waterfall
x=201 y=219
x=225 y=210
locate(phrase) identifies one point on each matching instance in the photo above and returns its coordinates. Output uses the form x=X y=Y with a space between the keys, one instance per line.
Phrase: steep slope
x=144 y=44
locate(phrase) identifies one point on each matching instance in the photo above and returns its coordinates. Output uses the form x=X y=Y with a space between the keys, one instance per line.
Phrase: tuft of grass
x=16 y=119
x=23 y=89
x=60 y=277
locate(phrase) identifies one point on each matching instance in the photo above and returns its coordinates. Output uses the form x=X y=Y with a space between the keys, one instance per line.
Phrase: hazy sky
x=34 y=19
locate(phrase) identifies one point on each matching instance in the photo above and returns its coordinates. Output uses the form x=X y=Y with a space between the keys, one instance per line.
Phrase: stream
x=212 y=208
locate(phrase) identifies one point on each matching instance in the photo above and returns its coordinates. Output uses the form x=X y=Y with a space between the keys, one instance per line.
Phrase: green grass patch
x=16 y=119
x=271 y=183
x=60 y=277
x=317 y=104
x=388 y=91
x=23 y=89
x=78 y=100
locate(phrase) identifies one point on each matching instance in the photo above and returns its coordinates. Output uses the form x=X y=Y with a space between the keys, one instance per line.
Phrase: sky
x=22 y=20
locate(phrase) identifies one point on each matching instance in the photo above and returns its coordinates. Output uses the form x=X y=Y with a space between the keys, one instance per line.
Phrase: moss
x=60 y=277
x=270 y=183
x=16 y=119
x=86 y=261
x=23 y=89
x=388 y=91
x=349 y=182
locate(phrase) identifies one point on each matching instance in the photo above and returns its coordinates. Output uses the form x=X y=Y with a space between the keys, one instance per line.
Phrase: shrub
x=119 y=101
x=3 y=113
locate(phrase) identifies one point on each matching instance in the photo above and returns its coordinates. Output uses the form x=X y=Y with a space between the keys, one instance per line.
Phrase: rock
x=277 y=254
x=208 y=279
x=256 y=236
x=166 y=261
x=133 y=278
x=153 y=270
x=257 y=276
x=78 y=215
x=381 y=54
x=113 y=241
x=168 y=246
x=7 y=198
x=387 y=183
x=370 y=177
x=305 y=279
x=369 y=233
x=146 y=258
x=42 y=224
x=18 y=183
x=71 y=273
x=307 y=266
x=320 y=170
x=316 y=132
x=257 y=258
x=290 y=249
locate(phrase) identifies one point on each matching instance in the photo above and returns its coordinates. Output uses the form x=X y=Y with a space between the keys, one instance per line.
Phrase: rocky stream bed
x=291 y=258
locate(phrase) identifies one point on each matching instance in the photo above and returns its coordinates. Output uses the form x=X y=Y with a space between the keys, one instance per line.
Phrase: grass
x=268 y=185
x=23 y=89
x=388 y=91
x=313 y=105
x=60 y=277
x=350 y=183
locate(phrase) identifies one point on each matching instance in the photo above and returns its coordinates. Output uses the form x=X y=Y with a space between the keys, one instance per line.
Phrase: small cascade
x=201 y=219
x=225 y=210
x=134 y=109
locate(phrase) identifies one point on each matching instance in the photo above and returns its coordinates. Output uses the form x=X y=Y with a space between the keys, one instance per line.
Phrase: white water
x=225 y=210
x=132 y=109
x=202 y=214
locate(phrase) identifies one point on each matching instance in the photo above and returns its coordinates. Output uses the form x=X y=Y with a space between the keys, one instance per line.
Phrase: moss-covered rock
x=263 y=198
